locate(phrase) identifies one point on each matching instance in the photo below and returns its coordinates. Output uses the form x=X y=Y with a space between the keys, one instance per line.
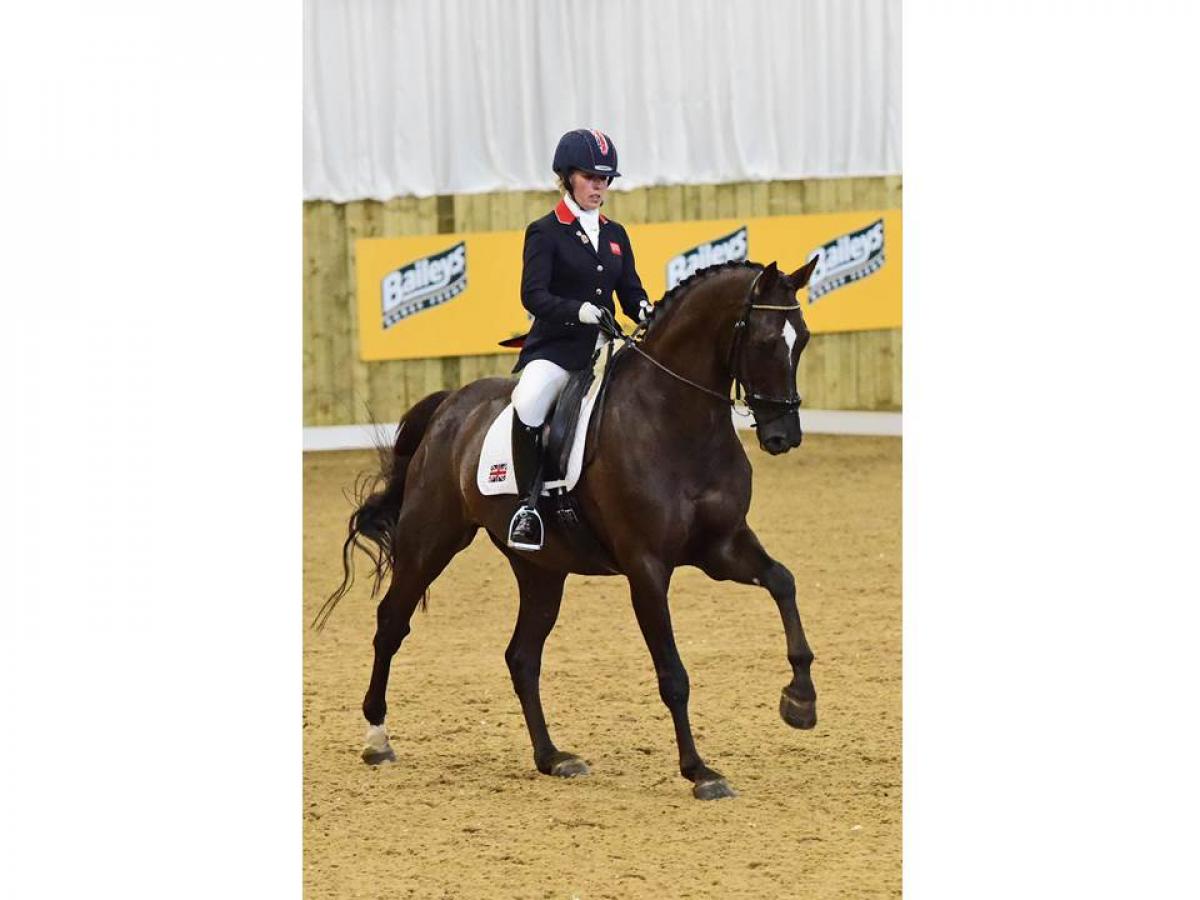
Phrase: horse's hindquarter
x=446 y=459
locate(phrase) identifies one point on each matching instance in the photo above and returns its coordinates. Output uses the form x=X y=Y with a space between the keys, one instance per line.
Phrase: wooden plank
x=396 y=216
x=497 y=219
x=362 y=221
x=538 y=203
x=810 y=373
x=726 y=201
x=815 y=195
x=894 y=185
x=614 y=205
x=426 y=215
x=743 y=200
x=481 y=212
x=635 y=206
x=445 y=213
x=867 y=193
x=708 y=201
x=389 y=398
x=656 y=204
x=843 y=195
x=516 y=211
x=848 y=370
x=332 y=305
x=464 y=213
x=895 y=370
x=451 y=373
x=777 y=198
x=322 y=214
x=867 y=347
x=760 y=201
x=796 y=192
x=309 y=348
x=691 y=202
x=674 y=202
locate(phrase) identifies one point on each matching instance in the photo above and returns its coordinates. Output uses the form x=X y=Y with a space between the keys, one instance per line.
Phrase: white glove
x=589 y=314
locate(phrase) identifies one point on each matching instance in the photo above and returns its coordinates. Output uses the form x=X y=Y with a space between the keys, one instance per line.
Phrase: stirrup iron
x=527 y=544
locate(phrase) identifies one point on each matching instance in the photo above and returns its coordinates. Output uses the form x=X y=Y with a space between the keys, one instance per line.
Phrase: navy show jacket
x=561 y=271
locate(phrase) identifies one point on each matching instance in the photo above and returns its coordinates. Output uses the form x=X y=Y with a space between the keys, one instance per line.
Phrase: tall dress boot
x=525 y=530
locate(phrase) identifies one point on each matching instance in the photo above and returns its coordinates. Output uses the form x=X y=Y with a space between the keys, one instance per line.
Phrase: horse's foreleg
x=541 y=596
x=649 y=592
x=742 y=558
x=418 y=561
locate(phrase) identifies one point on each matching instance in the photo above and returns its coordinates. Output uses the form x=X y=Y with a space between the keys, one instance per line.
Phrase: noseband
x=781 y=405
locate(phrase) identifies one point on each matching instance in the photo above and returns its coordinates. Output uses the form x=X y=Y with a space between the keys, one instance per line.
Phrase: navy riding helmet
x=588 y=150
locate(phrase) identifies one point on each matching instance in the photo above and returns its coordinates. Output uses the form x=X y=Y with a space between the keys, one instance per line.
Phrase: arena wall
x=841 y=371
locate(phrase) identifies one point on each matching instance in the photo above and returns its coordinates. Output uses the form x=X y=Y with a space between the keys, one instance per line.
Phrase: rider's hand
x=589 y=314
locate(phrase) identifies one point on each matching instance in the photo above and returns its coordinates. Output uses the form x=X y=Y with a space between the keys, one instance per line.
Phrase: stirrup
x=512 y=525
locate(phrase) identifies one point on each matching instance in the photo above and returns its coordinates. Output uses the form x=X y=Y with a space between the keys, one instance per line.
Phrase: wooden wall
x=855 y=370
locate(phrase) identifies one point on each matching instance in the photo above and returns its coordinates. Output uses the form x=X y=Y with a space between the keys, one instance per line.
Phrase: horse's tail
x=373 y=523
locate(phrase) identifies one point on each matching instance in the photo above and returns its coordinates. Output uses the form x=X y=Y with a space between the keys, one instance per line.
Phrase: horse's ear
x=800 y=277
x=766 y=279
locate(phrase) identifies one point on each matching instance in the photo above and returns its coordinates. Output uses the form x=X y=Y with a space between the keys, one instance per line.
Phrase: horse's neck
x=694 y=339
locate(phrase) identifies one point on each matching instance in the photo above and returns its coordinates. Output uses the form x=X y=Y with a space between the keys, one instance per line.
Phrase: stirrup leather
x=525 y=530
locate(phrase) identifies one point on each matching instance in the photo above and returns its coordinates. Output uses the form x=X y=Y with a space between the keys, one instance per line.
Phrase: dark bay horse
x=668 y=485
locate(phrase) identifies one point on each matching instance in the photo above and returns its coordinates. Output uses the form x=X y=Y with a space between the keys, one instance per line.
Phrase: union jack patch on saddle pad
x=498 y=472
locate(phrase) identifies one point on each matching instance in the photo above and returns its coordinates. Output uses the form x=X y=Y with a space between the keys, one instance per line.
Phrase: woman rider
x=574 y=259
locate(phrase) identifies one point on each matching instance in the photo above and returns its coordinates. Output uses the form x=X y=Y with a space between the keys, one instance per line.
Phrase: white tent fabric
x=413 y=97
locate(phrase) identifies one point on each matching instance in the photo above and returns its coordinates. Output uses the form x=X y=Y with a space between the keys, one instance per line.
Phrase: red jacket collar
x=563 y=213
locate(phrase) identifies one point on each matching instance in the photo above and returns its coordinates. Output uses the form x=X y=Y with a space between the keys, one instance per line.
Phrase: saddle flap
x=563 y=420
x=567 y=431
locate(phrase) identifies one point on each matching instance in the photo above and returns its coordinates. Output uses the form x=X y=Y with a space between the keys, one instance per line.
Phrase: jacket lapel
x=567 y=219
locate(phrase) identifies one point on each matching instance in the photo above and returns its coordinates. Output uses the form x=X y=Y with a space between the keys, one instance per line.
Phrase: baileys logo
x=846 y=259
x=723 y=249
x=424 y=284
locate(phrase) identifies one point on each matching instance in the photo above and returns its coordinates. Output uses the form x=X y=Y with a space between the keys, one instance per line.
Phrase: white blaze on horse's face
x=789 y=337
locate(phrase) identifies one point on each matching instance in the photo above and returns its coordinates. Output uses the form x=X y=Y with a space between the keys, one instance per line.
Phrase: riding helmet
x=588 y=150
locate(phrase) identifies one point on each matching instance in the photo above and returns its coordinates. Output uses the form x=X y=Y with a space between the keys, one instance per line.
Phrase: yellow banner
x=458 y=294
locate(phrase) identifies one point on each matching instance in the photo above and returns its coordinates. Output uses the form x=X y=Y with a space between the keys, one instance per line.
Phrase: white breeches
x=540 y=384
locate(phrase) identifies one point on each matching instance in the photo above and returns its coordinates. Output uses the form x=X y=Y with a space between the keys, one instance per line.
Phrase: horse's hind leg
x=541 y=596
x=420 y=556
x=742 y=558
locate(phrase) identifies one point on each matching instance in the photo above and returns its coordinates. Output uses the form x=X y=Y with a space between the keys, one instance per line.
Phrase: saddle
x=570 y=429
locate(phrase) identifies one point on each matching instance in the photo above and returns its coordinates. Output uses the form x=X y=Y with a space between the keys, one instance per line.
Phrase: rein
x=749 y=399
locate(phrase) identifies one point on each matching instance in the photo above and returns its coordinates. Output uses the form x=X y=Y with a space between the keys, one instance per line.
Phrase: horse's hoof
x=373 y=756
x=713 y=789
x=797 y=713
x=567 y=765
x=377 y=750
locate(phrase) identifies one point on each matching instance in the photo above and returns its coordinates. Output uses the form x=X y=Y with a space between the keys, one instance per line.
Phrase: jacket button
x=599 y=268
x=598 y=291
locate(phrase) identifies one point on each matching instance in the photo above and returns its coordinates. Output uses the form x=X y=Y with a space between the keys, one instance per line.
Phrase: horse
x=668 y=485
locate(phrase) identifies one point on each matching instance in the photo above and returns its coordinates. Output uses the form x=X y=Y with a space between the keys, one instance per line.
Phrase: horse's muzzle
x=780 y=436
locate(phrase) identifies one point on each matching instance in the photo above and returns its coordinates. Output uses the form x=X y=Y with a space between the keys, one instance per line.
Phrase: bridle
x=750 y=400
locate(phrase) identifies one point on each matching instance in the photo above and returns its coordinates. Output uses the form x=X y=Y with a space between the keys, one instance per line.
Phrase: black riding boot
x=525 y=529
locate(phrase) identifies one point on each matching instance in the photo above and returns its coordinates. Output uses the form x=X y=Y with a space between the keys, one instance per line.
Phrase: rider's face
x=588 y=190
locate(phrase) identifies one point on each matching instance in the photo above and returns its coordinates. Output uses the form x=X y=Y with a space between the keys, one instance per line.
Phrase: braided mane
x=691 y=281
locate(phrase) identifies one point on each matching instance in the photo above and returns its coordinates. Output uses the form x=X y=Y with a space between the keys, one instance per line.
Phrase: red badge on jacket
x=615 y=248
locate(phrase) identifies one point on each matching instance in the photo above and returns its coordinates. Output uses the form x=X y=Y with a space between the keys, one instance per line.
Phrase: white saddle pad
x=495 y=472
